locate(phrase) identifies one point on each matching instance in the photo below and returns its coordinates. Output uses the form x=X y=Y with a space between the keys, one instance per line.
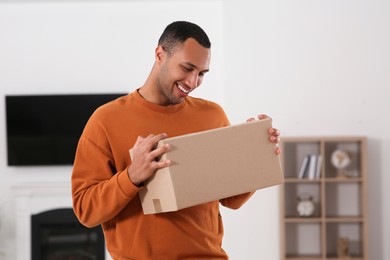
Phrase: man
x=106 y=182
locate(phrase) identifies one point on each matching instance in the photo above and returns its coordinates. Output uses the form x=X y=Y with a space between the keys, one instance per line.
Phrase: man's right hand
x=144 y=159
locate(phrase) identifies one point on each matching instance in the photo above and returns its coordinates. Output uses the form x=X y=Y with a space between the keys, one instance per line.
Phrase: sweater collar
x=155 y=107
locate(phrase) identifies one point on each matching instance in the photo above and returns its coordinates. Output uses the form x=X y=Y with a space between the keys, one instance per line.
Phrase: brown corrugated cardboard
x=212 y=165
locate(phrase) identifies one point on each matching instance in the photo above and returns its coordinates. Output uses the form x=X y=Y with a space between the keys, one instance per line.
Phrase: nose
x=192 y=80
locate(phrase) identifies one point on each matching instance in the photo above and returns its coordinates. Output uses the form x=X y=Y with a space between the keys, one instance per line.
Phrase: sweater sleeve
x=99 y=193
x=236 y=202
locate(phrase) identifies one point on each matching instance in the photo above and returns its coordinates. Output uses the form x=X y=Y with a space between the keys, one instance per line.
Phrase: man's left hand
x=273 y=132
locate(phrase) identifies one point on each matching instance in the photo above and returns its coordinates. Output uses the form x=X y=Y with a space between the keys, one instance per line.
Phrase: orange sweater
x=103 y=193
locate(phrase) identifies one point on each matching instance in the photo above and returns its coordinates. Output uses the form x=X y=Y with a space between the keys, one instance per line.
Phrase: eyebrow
x=194 y=66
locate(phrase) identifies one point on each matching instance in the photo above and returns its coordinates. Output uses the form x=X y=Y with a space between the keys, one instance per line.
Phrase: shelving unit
x=339 y=198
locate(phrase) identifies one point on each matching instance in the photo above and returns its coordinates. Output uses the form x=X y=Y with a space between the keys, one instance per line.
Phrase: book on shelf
x=318 y=166
x=303 y=168
x=310 y=167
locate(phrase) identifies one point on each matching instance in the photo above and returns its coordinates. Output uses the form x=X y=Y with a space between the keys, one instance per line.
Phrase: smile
x=182 y=89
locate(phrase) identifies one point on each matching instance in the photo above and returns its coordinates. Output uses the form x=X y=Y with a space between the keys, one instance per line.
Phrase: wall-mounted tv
x=45 y=129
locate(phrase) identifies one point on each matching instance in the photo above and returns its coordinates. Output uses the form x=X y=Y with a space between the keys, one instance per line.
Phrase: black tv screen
x=45 y=129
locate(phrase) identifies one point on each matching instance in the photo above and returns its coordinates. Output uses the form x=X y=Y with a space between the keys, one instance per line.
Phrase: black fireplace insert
x=58 y=235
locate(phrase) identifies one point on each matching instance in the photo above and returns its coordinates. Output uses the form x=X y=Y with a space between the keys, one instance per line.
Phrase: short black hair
x=178 y=32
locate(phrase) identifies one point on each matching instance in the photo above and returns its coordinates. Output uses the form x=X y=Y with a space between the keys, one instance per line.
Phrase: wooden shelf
x=333 y=257
x=297 y=180
x=340 y=202
x=352 y=179
x=341 y=180
x=302 y=220
x=343 y=219
x=304 y=257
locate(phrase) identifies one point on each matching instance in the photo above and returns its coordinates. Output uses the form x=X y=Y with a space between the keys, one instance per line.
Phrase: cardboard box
x=213 y=165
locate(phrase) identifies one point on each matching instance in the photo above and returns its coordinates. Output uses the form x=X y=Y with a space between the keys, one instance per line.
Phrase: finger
x=274 y=131
x=150 y=143
x=161 y=164
x=277 y=151
x=144 y=141
x=250 y=119
x=159 y=137
x=274 y=139
x=158 y=152
x=263 y=116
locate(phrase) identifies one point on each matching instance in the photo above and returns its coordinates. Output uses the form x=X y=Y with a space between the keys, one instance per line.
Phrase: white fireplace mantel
x=34 y=198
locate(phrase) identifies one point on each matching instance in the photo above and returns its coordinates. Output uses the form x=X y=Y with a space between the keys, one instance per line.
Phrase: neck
x=146 y=90
x=146 y=93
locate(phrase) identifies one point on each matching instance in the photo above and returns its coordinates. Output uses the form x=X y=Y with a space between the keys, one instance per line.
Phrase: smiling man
x=106 y=182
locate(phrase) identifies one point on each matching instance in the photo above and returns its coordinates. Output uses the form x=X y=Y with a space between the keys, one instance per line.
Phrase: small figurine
x=343 y=248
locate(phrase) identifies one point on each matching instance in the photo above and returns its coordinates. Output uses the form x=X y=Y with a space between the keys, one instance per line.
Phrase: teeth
x=183 y=89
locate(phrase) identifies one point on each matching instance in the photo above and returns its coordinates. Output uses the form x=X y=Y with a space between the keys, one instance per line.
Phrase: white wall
x=88 y=47
x=317 y=67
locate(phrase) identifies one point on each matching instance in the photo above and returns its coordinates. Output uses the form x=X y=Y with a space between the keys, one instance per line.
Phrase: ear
x=159 y=54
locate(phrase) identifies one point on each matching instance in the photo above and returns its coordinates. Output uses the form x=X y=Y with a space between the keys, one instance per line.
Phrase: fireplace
x=34 y=199
x=58 y=235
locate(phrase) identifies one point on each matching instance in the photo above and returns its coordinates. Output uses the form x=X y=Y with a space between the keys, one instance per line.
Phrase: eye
x=187 y=69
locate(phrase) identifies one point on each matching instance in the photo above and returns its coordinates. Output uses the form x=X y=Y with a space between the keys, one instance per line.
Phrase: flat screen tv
x=45 y=129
